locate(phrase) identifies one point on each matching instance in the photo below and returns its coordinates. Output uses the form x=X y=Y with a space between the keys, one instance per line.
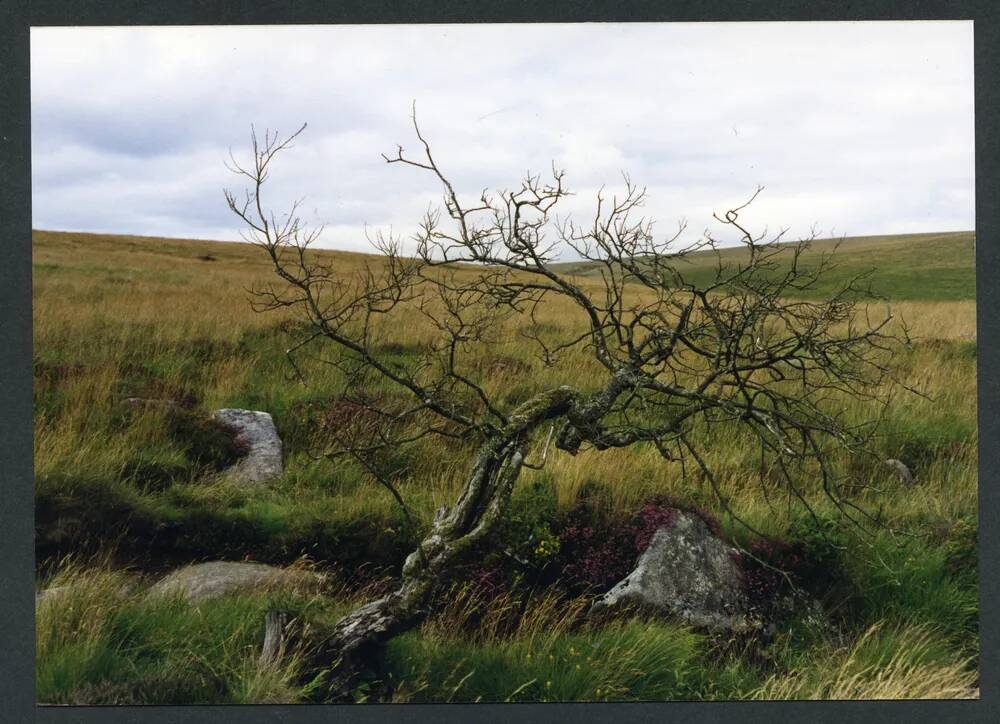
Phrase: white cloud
x=861 y=127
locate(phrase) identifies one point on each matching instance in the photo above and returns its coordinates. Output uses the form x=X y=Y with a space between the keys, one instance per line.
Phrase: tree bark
x=483 y=501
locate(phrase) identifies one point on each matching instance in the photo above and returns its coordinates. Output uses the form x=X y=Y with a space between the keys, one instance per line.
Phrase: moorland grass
x=119 y=317
x=902 y=266
x=100 y=640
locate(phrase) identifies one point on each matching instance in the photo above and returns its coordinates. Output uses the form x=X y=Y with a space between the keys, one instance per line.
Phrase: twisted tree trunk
x=483 y=501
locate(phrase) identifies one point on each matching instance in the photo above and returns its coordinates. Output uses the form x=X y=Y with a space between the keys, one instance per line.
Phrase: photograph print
x=596 y=362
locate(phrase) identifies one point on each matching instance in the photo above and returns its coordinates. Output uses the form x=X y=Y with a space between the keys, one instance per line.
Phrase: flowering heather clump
x=584 y=549
x=650 y=519
x=490 y=579
x=669 y=501
x=596 y=553
x=596 y=556
x=762 y=584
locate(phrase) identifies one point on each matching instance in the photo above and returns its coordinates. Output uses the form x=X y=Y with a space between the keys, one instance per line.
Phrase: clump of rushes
x=885 y=662
x=624 y=661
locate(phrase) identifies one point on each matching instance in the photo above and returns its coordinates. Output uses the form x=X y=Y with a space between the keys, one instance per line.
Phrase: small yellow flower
x=548 y=684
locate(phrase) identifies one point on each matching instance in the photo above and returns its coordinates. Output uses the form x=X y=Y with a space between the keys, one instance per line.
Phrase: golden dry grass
x=913 y=669
x=100 y=299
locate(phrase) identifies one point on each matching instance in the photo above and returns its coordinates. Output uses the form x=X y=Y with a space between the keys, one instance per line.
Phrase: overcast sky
x=856 y=128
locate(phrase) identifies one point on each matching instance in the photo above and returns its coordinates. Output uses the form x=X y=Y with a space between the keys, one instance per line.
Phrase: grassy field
x=123 y=495
x=904 y=266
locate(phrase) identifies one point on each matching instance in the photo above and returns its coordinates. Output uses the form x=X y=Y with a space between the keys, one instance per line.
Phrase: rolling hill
x=936 y=266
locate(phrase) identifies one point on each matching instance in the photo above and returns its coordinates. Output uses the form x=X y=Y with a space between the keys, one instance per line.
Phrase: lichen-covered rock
x=254 y=431
x=58 y=595
x=203 y=581
x=689 y=573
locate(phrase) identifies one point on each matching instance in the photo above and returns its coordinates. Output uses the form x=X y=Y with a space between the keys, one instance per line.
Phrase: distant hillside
x=907 y=266
x=74 y=248
x=904 y=266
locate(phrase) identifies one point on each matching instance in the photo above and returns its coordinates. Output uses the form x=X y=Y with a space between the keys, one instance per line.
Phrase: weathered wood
x=274 y=638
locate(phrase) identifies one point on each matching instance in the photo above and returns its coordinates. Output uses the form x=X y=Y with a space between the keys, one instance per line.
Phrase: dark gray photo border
x=17 y=697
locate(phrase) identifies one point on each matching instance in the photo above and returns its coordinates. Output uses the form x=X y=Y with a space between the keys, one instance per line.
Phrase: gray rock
x=55 y=593
x=204 y=581
x=689 y=573
x=139 y=402
x=902 y=472
x=257 y=432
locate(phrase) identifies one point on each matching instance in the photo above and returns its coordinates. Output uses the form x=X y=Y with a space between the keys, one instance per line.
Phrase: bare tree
x=746 y=349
